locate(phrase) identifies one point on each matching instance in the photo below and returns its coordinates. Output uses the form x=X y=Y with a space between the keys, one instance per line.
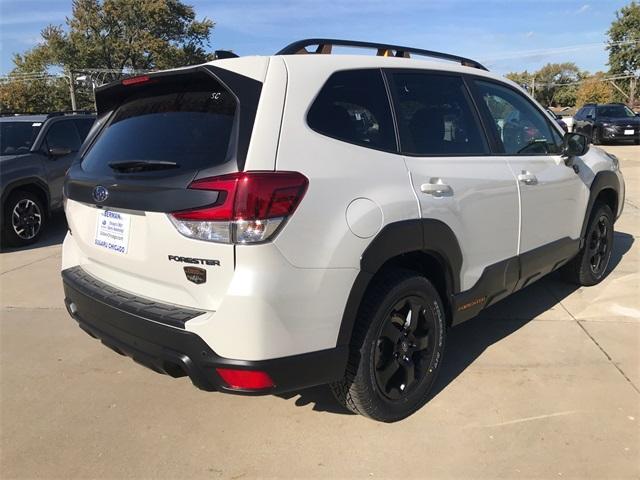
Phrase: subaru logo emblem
x=100 y=193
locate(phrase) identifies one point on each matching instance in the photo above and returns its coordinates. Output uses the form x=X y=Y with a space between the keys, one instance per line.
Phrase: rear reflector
x=135 y=80
x=251 y=206
x=245 y=379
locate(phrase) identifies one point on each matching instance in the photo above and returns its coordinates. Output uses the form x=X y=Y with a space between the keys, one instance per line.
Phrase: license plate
x=629 y=132
x=112 y=231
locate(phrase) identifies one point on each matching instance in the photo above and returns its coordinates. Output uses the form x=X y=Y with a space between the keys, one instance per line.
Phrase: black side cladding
x=434 y=237
x=425 y=235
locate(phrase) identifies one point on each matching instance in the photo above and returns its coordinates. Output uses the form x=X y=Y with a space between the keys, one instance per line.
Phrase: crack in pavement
x=595 y=342
x=10 y=308
x=30 y=263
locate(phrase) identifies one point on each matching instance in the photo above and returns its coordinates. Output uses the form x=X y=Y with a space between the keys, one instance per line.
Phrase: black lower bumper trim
x=178 y=352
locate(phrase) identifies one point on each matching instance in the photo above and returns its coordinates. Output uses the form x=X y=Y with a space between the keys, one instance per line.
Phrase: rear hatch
x=155 y=136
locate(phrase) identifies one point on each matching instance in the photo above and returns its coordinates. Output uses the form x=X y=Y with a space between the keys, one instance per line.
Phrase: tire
x=394 y=359
x=589 y=267
x=23 y=219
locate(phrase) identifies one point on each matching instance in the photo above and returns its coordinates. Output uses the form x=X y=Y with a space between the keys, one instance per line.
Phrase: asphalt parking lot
x=544 y=385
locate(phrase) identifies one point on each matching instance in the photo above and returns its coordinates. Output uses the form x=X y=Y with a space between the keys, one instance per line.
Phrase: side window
x=435 y=116
x=83 y=125
x=63 y=134
x=521 y=127
x=353 y=106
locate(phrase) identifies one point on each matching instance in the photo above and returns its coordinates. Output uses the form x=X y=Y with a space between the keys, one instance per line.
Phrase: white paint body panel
x=266 y=129
x=554 y=207
x=482 y=208
x=146 y=270
x=317 y=235
x=287 y=297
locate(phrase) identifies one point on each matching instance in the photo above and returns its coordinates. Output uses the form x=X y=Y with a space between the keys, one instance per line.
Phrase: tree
x=524 y=79
x=29 y=88
x=549 y=79
x=547 y=83
x=594 y=90
x=119 y=35
x=624 y=40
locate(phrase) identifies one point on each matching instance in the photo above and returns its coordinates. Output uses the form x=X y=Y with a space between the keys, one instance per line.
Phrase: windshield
x=614 y=111
x=187 y=126
x=17 y=137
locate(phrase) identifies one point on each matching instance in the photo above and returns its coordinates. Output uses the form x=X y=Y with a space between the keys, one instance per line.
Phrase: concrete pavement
x=544 y=385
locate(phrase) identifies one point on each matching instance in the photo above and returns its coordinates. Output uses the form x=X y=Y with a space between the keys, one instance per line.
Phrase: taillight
x=251 y=207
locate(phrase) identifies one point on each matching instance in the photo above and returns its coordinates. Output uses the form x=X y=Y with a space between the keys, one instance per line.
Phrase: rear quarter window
x=353 y=107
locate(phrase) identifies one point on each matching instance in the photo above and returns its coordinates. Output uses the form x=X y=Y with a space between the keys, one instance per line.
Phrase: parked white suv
x=265 y=224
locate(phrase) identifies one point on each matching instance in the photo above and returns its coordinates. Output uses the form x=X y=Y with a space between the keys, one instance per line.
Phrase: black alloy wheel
x=404 y=347
x=396 y=348
x=589 y=266
x=599 y=246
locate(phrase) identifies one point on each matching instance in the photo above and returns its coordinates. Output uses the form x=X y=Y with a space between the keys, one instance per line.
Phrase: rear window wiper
x=142 y=165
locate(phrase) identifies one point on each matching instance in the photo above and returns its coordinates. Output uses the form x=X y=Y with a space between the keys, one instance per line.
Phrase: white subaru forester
x=265 y=224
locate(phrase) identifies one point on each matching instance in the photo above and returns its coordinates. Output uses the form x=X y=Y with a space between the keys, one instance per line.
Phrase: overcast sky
x=506 y=35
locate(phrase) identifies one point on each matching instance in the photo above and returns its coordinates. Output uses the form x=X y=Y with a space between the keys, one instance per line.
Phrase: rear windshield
x=188 y=125
x=17 y=137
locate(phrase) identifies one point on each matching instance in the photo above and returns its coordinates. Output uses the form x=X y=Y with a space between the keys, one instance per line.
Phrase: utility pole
x=72 y=89
x=533 y=88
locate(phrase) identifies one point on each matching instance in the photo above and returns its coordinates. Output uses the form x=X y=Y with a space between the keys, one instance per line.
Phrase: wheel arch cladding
x=32 y=185
x=427 y=246
x=606 y=188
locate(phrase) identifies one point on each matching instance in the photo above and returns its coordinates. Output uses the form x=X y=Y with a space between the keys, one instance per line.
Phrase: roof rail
x=324 y=46
x=13 y=113
x=69 y=112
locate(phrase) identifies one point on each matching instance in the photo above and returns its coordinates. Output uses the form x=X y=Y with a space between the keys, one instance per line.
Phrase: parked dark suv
x=35 y=153
x=607 y=122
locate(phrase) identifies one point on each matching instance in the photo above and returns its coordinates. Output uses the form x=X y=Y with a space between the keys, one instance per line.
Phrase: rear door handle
x=436 y=188
x=527 y=178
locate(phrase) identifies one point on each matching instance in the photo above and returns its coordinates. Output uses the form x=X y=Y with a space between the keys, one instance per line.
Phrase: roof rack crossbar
x=324 y=46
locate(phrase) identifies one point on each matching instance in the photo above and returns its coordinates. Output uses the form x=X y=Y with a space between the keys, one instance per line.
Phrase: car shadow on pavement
x=466 y=342
x=54 y=234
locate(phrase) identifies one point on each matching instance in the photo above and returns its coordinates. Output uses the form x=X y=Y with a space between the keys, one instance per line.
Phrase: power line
x=555 y=50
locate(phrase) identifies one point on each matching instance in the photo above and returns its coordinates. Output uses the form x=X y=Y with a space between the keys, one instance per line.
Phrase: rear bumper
x=152 y=337
x=617 y=134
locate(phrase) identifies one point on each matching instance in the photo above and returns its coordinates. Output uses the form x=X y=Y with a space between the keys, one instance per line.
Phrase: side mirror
x=59 y=151
x=574 y=145
x=590 y=117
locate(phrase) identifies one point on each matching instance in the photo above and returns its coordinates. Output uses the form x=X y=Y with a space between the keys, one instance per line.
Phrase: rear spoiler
x=113 y=94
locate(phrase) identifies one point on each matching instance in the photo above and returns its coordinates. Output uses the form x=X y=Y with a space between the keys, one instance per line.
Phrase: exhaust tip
x=72 y=308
